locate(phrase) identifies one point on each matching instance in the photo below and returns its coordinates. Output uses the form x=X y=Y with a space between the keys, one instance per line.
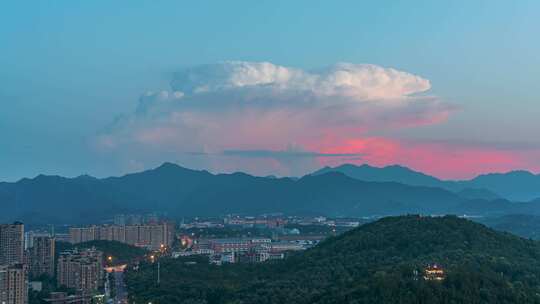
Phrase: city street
x=120 y=288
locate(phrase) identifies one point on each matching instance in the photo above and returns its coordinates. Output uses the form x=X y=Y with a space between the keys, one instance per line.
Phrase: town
x=66 y=264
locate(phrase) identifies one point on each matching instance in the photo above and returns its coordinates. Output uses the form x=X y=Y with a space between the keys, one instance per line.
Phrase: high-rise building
x=84 y=234
x=89 y=234
x=13 y=284
x=132 y=235
x=170 y=233
x=119 y=233
x=105 y=233
x=29 y=237
x=12 y=243
x=145 y=236
x=81 y=270
x=158 y=236
x=151 y=236
x=42 y=256
x=75 y=235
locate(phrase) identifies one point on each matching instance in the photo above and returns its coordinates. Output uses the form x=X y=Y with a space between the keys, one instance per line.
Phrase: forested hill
x=374 y=263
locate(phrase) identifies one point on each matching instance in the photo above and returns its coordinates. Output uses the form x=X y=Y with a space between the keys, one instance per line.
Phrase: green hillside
x=374 y=263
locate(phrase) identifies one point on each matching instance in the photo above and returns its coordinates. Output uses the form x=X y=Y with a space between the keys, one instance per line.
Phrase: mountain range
x=178 y=191
x=514 y=186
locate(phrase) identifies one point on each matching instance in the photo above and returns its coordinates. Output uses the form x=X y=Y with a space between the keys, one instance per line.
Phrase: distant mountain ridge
x=178 y=192
x=515 y=185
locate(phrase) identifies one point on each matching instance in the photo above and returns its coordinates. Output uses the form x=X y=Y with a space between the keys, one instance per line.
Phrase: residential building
x=145 y=236
x=81 y=270
x=29 y=237
x=13 y=284
x=119 y=233
x=153 y=236
x=105 y=233
x=132 y=235
x=84 y=234
x=42 y=256
x=12 y=243
x=230 y=245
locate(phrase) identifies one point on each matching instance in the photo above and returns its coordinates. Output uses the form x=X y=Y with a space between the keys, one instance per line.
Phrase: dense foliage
x=527 y=226
x=48 y=285
x=374 y=263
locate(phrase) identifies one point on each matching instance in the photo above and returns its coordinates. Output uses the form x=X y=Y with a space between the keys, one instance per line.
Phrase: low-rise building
x=434 y=272
x=286 y=246
x=64 y=298
x=230 y=245
x=223 y=258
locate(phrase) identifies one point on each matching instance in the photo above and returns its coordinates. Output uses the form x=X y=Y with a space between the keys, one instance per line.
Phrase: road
x=120 y=288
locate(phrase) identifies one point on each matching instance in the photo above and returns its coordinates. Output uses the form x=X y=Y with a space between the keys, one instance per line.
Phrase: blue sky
x=69 y=68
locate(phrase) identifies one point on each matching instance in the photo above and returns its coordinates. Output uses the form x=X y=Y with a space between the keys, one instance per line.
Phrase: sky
x=268 y=87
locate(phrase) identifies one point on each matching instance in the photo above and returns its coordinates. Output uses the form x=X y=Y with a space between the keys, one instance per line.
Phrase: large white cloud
x=359 y=81
x=265 y=107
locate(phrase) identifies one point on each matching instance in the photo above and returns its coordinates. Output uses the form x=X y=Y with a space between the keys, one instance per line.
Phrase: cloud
x=284 y=154
x=448 y=159
x=358 y=81
x=247 y=115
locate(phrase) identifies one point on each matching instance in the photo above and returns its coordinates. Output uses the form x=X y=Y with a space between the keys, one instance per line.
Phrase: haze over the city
x=269 y=88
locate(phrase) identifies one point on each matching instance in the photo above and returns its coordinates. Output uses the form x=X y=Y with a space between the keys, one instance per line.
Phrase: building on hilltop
x=434 y=272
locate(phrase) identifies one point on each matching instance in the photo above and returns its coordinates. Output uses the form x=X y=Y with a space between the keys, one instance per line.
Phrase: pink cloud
x=261 y=106
x=445 y=160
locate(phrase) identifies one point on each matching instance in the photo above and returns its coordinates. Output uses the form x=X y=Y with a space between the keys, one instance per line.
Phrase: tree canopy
x=375 y=263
